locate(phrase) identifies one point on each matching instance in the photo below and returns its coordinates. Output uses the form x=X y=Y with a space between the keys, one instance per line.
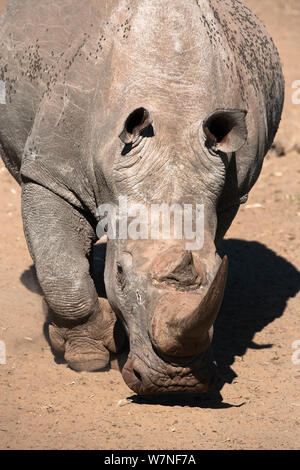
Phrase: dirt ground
x=45 y=405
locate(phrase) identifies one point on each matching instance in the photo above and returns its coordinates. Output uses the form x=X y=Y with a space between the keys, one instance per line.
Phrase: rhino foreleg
x=59 y=239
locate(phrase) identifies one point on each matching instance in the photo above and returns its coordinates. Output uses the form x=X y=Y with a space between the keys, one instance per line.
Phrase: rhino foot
x=57 y=338
x=88 y=346
x=86 y=354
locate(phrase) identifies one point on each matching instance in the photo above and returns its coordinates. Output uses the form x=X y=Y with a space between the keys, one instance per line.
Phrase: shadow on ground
x=260 y=283
x=29 y=280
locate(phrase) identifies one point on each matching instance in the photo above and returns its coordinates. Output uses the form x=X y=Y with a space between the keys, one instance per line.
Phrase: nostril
x=137 y=374
x=133 y=378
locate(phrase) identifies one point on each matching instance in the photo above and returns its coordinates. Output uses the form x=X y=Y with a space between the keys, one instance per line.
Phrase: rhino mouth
x=195 y=376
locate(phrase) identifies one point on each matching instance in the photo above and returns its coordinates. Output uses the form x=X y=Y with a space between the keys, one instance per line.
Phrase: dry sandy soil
x=45 y=405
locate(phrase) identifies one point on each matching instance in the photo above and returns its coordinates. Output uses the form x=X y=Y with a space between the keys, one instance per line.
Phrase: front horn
x=182 y=320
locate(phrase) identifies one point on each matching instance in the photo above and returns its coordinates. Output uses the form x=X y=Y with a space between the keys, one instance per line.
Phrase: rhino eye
x=120 y=276
x=119 y=268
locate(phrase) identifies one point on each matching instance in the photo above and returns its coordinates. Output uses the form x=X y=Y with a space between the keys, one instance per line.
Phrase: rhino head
x=168 y=292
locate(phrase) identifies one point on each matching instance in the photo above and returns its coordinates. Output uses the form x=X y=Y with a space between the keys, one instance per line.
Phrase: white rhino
x=161 y=101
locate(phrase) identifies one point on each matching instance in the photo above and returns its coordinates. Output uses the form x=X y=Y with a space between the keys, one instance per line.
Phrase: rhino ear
x=136 y=122
x=226 y=130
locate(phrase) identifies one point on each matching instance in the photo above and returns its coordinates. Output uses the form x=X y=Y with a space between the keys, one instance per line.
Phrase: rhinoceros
x=159 y=101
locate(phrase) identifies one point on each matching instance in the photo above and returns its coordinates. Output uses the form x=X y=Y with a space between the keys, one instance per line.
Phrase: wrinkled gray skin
x=73 y=73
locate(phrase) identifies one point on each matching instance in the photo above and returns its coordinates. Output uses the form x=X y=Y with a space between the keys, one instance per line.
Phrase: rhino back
x=46 y=58
x=257 y=63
